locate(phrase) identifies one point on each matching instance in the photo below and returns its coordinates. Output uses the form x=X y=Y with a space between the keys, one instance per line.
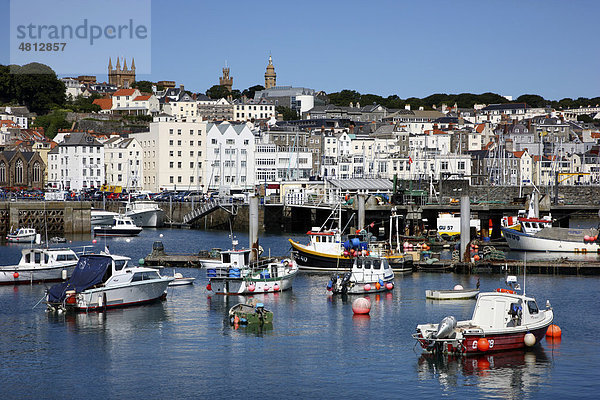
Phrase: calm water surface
x=185 y=348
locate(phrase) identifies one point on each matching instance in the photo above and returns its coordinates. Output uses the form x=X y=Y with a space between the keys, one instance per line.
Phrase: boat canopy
x=88 y=272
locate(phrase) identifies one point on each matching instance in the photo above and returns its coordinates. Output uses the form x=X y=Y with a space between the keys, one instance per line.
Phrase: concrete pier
x=57 y=217
x=465 y=227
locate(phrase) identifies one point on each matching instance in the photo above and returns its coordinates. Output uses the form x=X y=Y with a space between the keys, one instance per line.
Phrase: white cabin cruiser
x=40 y=265
x=121 y=226
x=237 y=275
x=368 y=275
x=145 y=214
x=502 y=320
x=22 y=235
x=102 y=281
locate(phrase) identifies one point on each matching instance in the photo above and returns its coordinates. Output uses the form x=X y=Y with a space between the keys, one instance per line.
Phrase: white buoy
x=529 y=339
x=458 y=287
x=161 y=235
x=63 y=274
x=128 y=240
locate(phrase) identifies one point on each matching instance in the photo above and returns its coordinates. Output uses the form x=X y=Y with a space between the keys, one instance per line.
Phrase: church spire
x=124 y=64
x=118 y=64
x=132 y=64
x=110 y=63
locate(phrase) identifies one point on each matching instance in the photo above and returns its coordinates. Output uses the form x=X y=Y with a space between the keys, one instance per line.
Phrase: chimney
x=181 y=88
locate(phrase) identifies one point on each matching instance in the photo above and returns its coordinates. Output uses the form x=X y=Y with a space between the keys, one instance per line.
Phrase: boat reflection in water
x=508 y=374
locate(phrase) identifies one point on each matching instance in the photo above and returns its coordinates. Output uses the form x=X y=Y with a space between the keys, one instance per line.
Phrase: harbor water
x=184 y=347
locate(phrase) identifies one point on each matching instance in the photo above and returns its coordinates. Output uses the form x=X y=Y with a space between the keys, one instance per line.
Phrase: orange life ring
x=505 y=291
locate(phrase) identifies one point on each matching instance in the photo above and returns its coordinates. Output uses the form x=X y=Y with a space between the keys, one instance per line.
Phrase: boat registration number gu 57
x=490 y=341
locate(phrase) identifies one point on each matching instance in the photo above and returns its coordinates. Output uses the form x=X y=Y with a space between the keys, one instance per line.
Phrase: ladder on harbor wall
x=207 y=208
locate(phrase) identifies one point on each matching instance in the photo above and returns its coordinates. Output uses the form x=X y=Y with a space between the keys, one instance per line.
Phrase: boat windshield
x=119 y=264
x=144 y=276
x=376 y=263
x=533 y=308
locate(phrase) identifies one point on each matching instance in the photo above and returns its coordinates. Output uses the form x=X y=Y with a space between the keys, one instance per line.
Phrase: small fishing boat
x=22 y=235
x=250 y=314
x=102 y=281
x=502 y=320
x=121 y=226
x=235 y=274
x=454 y=294
x=180 y=280
x=554 y=238
x=368 y=275
x=40 y=265
x=401 y=263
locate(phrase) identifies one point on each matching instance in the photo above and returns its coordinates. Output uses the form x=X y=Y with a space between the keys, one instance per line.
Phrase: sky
x=408 y=48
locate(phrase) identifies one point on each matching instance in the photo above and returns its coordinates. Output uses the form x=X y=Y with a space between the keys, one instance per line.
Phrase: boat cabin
x=122 y=221
x=371 y=269
x=502 y=309
x=324 y=241
x=532 y=226
x=235 y=258
x=47 y=256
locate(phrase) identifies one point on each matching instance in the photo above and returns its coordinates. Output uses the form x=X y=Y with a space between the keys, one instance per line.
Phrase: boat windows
x=119 y=264
x=46 y=258
x=367 y=264
x=226 y=258
x=376 y=263
x=527 y=225
x=359 y=263
x=144 y=276
x=71 y=257
x=28 y=258
x=533 y=308
x=38 y=258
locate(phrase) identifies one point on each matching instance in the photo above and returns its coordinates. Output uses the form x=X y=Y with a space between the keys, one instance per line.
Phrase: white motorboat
x=40 y=265
x=553 y=239
x=455 y=294
x=368 y=275
x=102 y=281
x=22 y=235
x=502 y=320
x=121 y=226
x=145 y=214
x=102 y=217
x=180 y=280
x=237 y=275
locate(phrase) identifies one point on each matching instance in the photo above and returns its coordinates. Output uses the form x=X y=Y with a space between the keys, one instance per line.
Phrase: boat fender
x=329 y=286
x=501 y=290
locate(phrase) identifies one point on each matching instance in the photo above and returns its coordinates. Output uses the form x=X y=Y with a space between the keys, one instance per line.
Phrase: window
x=170 y=179
x=213 y=141
x=191 y=153
x=179 y=131
x=170 y=143
x=178 y=164
x=2 y=172
x=191 y=143
x=179 y=143
x=191 y=131
x=191 y=164
x=179 y=153
x=179 y=179
x=19 y=172
x=170 y=131
x=533 y=308
x=230 y=141
x=171 y=153
x=171 y=164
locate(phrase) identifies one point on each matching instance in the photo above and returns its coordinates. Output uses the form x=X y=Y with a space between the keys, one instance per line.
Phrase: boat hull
x=21 y=239
x=359 y=288
x=182 y=281
x=147 y=218
x=451 y=294
x=34 y=275
x=122 y=296
x=309 y=260
x=231 y=286
x=518 y=240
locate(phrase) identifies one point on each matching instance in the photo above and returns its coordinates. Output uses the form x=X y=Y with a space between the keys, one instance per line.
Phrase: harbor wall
x=54 y=217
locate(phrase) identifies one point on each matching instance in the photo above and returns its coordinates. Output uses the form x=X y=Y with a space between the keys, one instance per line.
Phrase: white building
x=173 y=155
x=230 y=158
x=253 y=110
x=76 y=163
x=124 y=163
x=185 y=108
x=73 y=87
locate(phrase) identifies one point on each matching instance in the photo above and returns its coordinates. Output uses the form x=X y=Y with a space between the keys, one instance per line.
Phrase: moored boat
x=22 y=235
x=180 y=280
x=101 y=217
x=502 y=320
x=368 y=275
x=235 y=274
x=554 y=239
x=250 y=314
x=40 y=265
x=102 y=281
x=455 y=294
x=145 y=214
x=121 y=226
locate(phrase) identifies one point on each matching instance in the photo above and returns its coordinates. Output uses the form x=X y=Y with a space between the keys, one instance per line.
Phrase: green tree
x=288 y=113
x=249 y=93
x=218 y=92
x=585 y=118
x=33 y=85
x=146 y=86
x=344 y=98
x=52 y=123
x=532 y=100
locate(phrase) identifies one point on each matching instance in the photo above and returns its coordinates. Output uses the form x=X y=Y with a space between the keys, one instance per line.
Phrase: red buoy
x=361 y=305
x=483 y=344
x=16 y=275
x=209 y=287
x=554 y=331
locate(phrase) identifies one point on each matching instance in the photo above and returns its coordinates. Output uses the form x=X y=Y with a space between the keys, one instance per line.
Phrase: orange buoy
x=483 y=344
x=554 y=331
x=476 y=258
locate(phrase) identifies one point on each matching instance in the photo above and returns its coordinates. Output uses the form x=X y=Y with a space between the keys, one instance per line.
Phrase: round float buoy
x=483 y=344
x=458 y=287
x=94 y=241
x=389 y=286
x=141 y=261
x=128 y=240
x=236 y=320
x=251 y=287
x=161 y=235
x=276 y=287
x=586 y=239
x=476 y=258
x=367 y=287
x=361 y=306
x=377 y=286
x=16 y=275
x=209 y=287
x=529 y=339
x=554 y=331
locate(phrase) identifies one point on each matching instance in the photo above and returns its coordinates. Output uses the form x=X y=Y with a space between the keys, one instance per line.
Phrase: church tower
x=270 y=75
x=121 y=77
x=226 y=80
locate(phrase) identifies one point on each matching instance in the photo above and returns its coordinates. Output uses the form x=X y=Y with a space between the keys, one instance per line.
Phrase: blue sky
x=408 y=48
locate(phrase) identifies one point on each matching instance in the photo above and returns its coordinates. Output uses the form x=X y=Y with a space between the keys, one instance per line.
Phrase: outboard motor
x=445 y=328
x=345 y=281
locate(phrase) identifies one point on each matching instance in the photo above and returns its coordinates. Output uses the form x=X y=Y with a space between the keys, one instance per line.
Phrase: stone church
x=123 y=78
x=21 y=169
